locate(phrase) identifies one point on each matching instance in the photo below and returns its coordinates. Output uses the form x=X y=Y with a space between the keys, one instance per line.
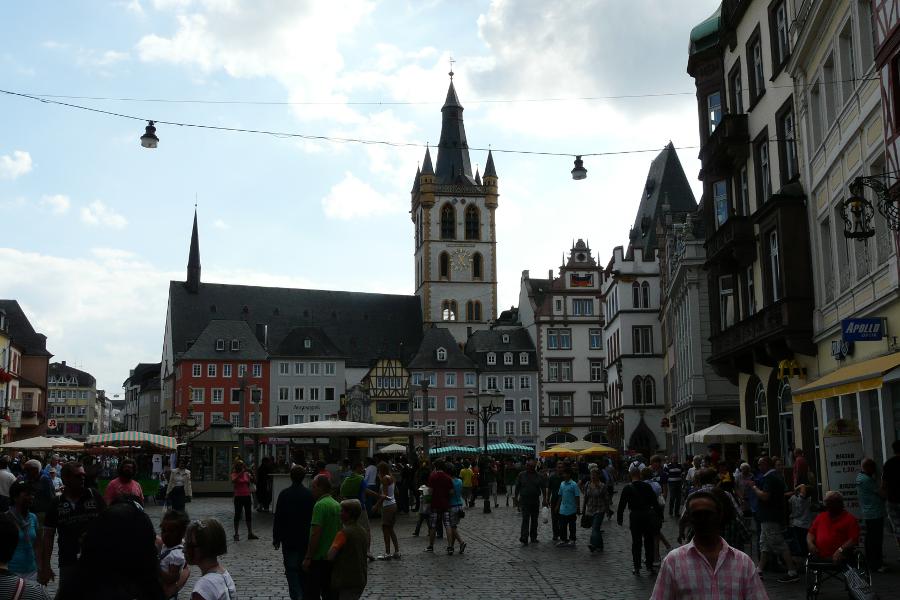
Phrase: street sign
x=862 y=330
x=51 y=424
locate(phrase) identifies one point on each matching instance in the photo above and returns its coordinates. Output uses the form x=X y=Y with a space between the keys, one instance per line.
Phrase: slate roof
x=294 y=344
x=145 y=374
x=364 y=326
x=453 y=162
x=58 y=370
x=482 y=342
x=666 y=183
x=226 y=330
x=21 y=332
x=426 y=357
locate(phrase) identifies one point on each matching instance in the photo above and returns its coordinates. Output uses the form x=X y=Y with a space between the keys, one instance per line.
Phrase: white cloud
x=351 y=198
x=220 y=224
x=98 y=213
x=14 y=165
x=57 y=203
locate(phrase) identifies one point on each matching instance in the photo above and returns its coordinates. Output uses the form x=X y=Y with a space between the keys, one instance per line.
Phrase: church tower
x=453 y=214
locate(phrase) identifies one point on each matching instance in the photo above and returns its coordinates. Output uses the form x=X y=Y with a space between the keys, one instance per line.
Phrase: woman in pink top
x=241 y=478
x=124 y=484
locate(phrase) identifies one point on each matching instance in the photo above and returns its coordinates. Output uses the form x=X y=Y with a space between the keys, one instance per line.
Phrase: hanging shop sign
x=843 y=453
x=841 y=349
x=862 y=330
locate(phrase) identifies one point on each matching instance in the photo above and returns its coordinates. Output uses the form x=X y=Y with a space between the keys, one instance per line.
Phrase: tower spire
x=192 y=283
x=453 y=162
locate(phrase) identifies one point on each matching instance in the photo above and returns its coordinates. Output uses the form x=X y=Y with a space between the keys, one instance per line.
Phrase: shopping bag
x=545 y=514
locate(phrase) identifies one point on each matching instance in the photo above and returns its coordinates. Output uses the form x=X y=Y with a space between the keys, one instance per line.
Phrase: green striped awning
x=133 y=438
x=445 y=450
x=506 y=448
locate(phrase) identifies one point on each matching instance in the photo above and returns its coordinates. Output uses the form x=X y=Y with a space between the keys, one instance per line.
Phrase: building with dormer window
x=564 y=316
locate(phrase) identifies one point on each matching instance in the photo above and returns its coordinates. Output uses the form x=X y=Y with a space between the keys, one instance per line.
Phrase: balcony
x=732 y=245
x=775 y=333
x=726 y=148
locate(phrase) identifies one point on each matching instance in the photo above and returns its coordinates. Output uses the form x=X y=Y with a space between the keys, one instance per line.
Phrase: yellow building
x=72 y=401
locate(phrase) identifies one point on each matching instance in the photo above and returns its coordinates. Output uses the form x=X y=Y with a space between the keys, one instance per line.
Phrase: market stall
x=136 y=444
x=211 y=454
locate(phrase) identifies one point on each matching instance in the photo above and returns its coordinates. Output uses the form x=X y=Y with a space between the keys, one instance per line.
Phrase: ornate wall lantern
x=857 y=213
x=888 y=202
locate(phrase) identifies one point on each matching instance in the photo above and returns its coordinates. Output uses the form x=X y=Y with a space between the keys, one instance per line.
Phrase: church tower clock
x=453 y=214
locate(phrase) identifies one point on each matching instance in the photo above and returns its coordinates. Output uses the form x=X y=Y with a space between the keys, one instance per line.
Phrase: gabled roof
x=426 y=357
x=59 y=369
x=364 y=326
x=295 y=344
x=144 y=375
x=666 y=184
x=226 y=330
x=21 y=333
x=482 y=342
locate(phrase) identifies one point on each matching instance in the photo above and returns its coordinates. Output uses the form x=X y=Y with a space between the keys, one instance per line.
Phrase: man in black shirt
x=531 y=489
x=890 y=486
x=290 y=529
x=771 y=515
x=643 y=519
x=69 y=514
x=673 y=474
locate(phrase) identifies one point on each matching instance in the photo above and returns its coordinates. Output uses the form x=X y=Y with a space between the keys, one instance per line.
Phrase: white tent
x=392 y=449
x=43 y=443
x=320 y=429
x=724 y=433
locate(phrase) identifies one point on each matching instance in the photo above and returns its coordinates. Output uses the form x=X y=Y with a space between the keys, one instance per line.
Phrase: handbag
x=587 y=521
x=545 y=514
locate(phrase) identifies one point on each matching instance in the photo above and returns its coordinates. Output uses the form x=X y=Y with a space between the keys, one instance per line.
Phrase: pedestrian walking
x=553 y=482
x=10 y=582
x=204 y=543
x=353 y=487
x=456 y=514
x=371 y=480
x=530 y=495
x=324 y=526
x=241 y=479
x=349 y=572
x=872 y=504
x=596 y=505
x=568 y=508
x=890 y=487
x=441 y=489
x=41 y=488
x=69 y=515
x=173 y=568
x=640 y=499
x=7 y=478
x=800 y=519
x=264 y=484
x=290 y=530
x=467 y=475
x=673 y=473
x=124 y=484
x=770 y=494
x=178 y=486
x=387 y=504
x=424 y=509
x=24 y=560
x=707 y=567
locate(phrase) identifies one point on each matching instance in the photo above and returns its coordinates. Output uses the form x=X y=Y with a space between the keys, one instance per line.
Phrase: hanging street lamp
x=149 y=139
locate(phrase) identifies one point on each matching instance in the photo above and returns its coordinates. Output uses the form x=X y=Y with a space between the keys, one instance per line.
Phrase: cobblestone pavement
x=494 y=565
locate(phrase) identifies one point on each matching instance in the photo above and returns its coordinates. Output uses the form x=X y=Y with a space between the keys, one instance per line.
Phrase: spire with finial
x=427 y=169
x=477 y=176
x=416 y=180
x=192 y=283
x=453 y=162
x=489 y=170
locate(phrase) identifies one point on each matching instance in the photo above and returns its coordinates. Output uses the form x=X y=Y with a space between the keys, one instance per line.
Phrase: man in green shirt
x=325 y=524
x=354 y=488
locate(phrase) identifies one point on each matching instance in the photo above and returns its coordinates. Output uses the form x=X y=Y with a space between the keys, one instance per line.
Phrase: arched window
x=441 y=354
x=470 y=311
x=477 y=310
x=645 y=294
x=635 y=295
x=491 y=358
x=637 y=385
x=444 y=261
x=477 y=266
x=473 y=223
x=760 y=409
x=448 y=310
x=649 y=390
x=448 y=222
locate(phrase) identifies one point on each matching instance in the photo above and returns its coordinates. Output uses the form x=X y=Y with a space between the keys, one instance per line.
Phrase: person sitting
x=833 y=533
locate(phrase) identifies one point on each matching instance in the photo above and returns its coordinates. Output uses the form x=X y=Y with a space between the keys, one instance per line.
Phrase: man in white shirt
x=370 y=480
x=6 y=480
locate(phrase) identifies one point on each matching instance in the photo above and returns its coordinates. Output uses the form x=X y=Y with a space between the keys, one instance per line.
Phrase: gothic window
x=477 y=310
x=448 y=310
x=473 y=223
x=645 y=295
x=477 y=266
x=470 y=311
x=649 y=390
x=448 y=222
x=444 y=261
x=635 y=295
x=637 y=385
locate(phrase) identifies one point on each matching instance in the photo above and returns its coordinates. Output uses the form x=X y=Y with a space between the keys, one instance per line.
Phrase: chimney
x=262 y=333
x=63 y=363
x=550 y=274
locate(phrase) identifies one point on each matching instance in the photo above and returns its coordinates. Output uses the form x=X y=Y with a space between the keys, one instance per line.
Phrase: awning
x=332 y=429
x=859 y=377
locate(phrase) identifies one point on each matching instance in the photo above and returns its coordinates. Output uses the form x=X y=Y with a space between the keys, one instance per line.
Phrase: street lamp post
x=484 y=414
x=425 y=441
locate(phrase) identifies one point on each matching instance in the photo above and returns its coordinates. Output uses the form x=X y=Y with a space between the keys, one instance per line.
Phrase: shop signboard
x=843 y=453
x=862 y=330
x=15 y=413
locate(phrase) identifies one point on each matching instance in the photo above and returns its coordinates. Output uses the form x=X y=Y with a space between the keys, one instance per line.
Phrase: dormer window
x=307 y=343
x=523 y=358
x=220 y=345
x=507 y=358
x=235 y=345
x=491 y=358
x=505 y=339
x=441 y=354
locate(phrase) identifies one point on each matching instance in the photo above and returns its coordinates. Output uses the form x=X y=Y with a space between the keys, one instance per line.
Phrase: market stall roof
x=43 y=443
x=507 y=448
x=332 y=429
x=133 y=439
x=558 y=451
x=445 y=450
x=392 y=449
x=724 y=433
x=598 y=449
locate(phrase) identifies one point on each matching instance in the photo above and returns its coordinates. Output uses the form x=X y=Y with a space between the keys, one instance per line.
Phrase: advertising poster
x=843 y=453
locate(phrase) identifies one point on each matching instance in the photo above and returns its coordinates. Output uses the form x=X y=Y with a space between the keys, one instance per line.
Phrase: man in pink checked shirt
x=124 y=484
x=707 y=567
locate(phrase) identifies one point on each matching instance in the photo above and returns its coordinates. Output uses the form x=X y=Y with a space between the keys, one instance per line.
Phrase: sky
x=94 y=226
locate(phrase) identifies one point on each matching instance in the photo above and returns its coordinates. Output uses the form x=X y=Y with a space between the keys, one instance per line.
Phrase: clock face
x=460 y=259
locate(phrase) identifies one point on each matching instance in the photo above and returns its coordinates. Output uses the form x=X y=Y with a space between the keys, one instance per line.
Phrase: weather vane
x=451 y=68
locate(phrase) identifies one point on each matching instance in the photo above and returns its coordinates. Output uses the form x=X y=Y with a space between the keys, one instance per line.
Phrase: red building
x=225 y=369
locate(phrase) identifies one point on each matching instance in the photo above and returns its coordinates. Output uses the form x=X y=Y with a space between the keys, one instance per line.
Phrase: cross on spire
x=451 y=73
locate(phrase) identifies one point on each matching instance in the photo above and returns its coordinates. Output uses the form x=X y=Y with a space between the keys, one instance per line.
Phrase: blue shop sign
x=862 y=330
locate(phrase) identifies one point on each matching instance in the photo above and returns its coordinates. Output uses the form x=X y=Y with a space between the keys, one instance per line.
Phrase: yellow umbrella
x=558 y=451
x=598 y=449
x=577 y=445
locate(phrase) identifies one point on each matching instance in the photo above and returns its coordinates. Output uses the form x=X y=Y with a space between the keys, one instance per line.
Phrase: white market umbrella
x=392 y=449
x=42 y=443
x=133 y=439
x=725 y=433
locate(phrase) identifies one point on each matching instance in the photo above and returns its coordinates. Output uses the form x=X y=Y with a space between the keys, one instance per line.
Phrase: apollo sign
x=862 y=330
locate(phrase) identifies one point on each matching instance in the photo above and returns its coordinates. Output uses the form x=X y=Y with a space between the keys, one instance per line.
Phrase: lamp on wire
x=149 y=139
x=579 y=172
